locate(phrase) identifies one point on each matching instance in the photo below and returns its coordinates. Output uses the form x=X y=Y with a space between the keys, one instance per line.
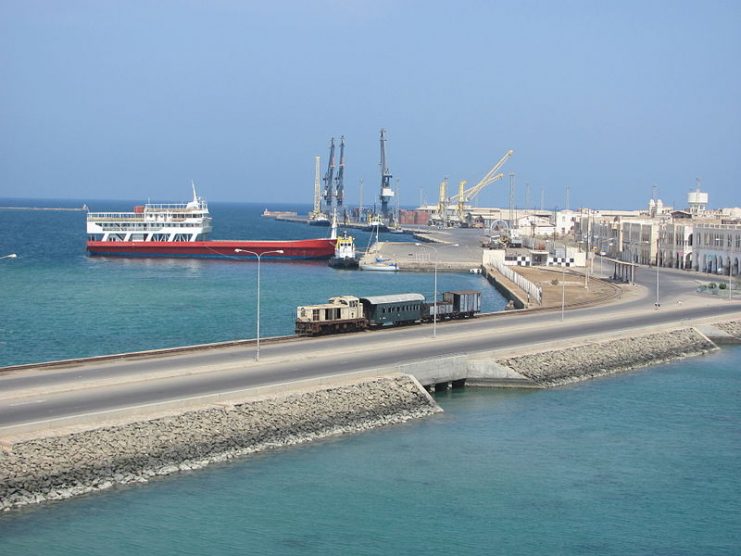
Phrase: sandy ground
x=571 y=285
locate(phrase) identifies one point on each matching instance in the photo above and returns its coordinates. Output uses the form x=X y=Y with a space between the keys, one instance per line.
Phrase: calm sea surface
x=57 y=302
x=641 y=463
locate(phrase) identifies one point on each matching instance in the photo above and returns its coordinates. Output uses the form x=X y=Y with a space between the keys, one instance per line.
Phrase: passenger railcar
x=392 y=310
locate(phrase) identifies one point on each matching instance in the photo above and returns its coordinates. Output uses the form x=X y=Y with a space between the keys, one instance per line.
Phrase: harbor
x=303 y=279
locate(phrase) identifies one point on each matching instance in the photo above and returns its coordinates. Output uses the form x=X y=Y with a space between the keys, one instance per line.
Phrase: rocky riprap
x=554 y=368
x=732 y=327
x=60 y=467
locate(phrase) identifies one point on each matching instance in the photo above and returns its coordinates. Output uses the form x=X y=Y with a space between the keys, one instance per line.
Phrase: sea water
x=641 y=463
x=56 y=302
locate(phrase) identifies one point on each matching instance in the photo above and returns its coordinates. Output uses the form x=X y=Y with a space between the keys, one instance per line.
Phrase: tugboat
x=376 y=224
x=344 y=253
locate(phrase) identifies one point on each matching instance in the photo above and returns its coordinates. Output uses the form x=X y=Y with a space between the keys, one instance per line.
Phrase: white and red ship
x=182 y=230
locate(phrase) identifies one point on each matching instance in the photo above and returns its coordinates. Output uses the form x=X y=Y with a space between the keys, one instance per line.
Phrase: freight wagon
x=348 y=313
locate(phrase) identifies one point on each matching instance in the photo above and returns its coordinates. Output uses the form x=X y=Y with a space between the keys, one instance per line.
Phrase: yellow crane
x=442 y=202
x=467 y=195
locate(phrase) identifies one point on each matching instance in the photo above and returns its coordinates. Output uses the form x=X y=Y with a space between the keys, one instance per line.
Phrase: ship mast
x=328 y=183
x=386 y=191
x=339 y=185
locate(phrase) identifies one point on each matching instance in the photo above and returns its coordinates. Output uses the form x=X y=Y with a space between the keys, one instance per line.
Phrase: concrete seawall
x=60 y=467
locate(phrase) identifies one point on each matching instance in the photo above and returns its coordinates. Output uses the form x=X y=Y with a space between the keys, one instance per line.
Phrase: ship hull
x=344 y=262
x=218 y=249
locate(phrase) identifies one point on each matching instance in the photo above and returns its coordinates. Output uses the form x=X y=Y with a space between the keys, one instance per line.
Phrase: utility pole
x=542 y=199
x=568 y=194
x=527 y=196
x=360 y=208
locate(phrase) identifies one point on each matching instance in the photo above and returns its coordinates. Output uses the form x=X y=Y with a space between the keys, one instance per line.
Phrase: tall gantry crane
x=386 y=191
x=467 y=195
x=328 y=178
x=339 y=185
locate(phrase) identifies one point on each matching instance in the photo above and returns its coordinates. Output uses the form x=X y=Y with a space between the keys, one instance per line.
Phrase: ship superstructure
x=182 y=222
x=182 y=230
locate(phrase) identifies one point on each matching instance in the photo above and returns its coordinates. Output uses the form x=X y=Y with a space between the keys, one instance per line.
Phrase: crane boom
x=490 y=177
x=328 y=193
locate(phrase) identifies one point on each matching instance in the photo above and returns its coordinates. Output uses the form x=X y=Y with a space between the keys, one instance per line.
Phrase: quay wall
x=509 y=290
x=60 y=467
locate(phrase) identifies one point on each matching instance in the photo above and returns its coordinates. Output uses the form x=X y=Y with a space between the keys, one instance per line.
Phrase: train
x=348 y=313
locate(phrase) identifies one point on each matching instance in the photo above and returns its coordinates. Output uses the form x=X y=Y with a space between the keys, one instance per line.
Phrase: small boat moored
x=344 y=253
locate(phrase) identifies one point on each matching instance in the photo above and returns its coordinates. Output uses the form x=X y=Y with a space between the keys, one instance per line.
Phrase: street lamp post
x=259 y=257
x=563 y=281
x=658 y=261
x=434 y=315
x=434 y=299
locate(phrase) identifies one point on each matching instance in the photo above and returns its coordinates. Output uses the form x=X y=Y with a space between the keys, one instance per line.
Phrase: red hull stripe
x=306 y=249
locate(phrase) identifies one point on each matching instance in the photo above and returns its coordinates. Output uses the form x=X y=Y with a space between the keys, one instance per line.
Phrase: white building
x=717 y=248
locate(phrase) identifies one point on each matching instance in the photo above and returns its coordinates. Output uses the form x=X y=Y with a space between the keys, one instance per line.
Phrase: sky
x=134 y=99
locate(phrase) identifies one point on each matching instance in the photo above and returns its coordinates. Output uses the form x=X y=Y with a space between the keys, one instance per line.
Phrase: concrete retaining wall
x=64 y=466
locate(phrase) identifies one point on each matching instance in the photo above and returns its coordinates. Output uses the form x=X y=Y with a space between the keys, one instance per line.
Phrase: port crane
x=339 y=185
x=328 y=178
x=386 y=191
x=465 y=196
x=442 y=202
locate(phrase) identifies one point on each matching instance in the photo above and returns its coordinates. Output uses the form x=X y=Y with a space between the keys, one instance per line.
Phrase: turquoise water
x=641 y=463
x=58 y=303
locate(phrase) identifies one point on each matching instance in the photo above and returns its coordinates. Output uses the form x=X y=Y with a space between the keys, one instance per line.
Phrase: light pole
x=563 y=280
x=259 y=256
x=434 y=299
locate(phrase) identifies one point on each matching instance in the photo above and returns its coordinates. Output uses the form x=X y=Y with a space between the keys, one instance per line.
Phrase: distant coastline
x=66 y=209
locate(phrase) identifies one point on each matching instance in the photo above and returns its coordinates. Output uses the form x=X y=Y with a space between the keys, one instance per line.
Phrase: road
x=45 y=395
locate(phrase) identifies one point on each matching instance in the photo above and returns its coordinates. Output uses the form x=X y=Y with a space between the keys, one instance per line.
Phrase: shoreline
x=61 y=467
x=53 y=468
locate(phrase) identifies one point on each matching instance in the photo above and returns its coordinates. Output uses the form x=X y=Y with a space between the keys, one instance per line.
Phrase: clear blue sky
x=133 y=99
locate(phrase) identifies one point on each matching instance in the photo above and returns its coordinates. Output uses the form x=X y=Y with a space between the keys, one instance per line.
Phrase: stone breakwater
x=61 y=467
x=733 y=328
x=577 y=363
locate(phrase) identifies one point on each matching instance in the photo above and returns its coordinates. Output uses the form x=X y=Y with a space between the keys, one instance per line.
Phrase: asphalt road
x=36 y=396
